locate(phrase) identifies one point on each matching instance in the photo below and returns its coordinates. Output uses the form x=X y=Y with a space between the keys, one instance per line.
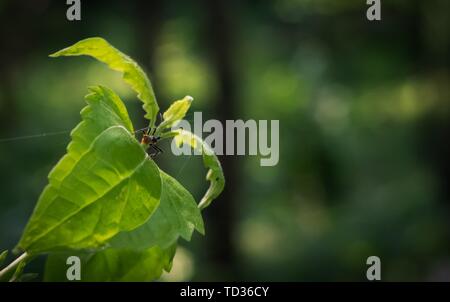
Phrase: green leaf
x=175 y=113
x=122 y=265
x=177 y=215
x=105 y=109
x=101 y=50
x=3 y=256
x=104 y=184
x=210 y=161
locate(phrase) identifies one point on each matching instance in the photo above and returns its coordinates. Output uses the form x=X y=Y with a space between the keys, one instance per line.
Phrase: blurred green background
x=364 y=125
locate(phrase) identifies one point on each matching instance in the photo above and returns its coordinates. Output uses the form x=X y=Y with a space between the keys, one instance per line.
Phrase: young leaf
x=175 y=113
x=121 y=265
x=214 y=175
x=177 y=215
x=105 y=184
x=101 y=50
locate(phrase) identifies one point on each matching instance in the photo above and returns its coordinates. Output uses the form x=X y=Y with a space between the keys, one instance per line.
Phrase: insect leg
x=154 y=149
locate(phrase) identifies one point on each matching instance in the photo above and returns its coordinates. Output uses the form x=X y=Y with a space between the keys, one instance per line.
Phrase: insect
x=150 y=140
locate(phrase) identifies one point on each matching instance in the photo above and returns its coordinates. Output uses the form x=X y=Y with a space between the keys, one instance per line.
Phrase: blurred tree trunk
x=434 y=128
x=8 y=64
x=18 y=40
x=221 y=217
x=148 y=26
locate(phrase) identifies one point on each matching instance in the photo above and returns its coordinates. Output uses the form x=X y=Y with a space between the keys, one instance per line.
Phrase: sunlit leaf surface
x=105 y=184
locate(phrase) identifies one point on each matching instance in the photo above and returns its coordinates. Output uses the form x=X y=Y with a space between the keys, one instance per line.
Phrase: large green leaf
x=214 y=175
x=105 y=184
x=101 y=50
x=177 y=215
x=113 y=265
x=105 y=109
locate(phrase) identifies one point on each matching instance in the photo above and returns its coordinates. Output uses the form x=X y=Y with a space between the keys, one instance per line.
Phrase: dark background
x=364 y=126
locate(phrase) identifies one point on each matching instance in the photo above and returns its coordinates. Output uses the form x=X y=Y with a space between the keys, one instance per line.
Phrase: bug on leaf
x=150 y=140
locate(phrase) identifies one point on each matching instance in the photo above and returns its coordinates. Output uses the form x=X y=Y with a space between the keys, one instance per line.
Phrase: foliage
x=107 y=201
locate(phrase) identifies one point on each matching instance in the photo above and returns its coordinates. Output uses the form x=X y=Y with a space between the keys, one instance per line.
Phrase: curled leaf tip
x=215 y=173
x=133 y=75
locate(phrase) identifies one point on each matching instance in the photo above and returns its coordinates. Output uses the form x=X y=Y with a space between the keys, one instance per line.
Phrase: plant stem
x=13 y=264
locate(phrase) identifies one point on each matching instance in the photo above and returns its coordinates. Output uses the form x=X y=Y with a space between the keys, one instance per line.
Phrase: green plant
x=107 y=201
